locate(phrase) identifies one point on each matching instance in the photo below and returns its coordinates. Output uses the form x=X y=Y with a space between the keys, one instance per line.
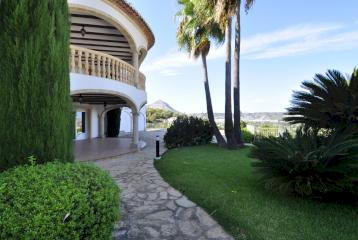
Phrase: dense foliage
x=310 y=164
x=329 y=101
x=247 y=136
x=154 y=114
x=35 y=106
x=113 y=122
x=57 y=201
x=188 y=131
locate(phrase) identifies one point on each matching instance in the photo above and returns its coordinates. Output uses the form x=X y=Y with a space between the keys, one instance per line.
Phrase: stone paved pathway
x=151 y=209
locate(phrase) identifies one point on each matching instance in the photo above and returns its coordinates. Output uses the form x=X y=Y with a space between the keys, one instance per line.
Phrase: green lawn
x=224 y=183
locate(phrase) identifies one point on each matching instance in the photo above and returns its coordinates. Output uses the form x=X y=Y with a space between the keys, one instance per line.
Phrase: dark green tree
x=113 y=122
x=35 y=106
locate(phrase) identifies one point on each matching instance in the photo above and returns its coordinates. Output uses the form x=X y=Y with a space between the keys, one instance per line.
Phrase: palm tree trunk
x=237 y=111
x=229 y=125
x=220 y=139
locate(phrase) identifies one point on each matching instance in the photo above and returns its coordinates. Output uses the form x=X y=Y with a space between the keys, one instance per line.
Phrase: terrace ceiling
x=98 y=99
x=99 y=36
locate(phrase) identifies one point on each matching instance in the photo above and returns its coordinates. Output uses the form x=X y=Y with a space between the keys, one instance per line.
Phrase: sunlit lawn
x=224 y=183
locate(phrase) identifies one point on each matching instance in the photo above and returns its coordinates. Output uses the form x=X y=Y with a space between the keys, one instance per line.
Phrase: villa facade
x=109 y=41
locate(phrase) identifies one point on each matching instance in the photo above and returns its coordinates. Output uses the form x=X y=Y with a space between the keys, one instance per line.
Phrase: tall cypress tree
x=35 y=105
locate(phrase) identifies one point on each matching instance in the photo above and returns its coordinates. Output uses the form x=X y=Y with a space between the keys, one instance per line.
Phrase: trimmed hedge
x=188 y=131
x=57 y=201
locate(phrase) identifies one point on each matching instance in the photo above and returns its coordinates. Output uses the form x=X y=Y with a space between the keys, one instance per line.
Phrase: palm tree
x=225 y=11
x=193 y=35
x=329 y=101
x=225 y=21
x=237 y=109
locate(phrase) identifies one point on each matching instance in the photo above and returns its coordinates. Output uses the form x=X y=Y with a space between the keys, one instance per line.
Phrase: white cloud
x=290 y=41
x=170 y=63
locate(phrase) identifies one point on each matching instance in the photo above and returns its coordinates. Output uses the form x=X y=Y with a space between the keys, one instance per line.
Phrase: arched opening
x=113 y=123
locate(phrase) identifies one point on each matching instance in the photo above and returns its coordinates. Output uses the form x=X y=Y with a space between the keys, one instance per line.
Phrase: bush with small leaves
x=57 y=201
x=188 y=131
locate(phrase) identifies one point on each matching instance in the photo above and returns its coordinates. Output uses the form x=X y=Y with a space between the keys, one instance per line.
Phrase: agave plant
x=309 y=164
x=330 y=102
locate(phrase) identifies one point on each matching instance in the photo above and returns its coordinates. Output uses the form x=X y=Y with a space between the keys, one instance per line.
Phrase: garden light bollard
x=157 y=154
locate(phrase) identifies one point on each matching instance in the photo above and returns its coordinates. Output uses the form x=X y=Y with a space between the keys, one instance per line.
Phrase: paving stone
x=204 y=218
x=152 y=232
x=168 y=230
x=171 y=205
x=190 y=228
x=185 y=202
x=162 y=215
x=163 y=195
x=215 y=233
x=174 y=192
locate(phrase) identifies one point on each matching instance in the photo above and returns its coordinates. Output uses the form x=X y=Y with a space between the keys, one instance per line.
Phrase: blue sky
x=283 y=43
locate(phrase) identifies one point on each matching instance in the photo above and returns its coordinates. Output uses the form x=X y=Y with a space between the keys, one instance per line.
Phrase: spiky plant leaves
x=329 y=101
x=309 y=164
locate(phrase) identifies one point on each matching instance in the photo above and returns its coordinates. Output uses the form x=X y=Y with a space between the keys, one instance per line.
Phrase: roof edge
x=138 y=19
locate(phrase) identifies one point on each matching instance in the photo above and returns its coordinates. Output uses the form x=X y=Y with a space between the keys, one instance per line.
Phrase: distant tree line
x=155 y=115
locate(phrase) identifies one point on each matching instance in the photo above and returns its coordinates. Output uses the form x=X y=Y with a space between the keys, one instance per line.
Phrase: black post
x=157 y=154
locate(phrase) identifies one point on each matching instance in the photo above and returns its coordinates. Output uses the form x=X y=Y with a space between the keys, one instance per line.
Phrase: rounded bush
x=57 y=201
x=247 y=136
x=188 y=131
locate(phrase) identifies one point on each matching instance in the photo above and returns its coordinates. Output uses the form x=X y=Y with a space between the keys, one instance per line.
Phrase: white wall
x=81 y=83
x=127 y=122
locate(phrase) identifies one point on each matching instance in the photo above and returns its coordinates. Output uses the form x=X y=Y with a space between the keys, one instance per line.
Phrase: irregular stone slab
x=174 y=192
x=163 y=215
x=215 y=233
x=168 y=230
x=190 y=228
x=151 y=209
x=185 y=202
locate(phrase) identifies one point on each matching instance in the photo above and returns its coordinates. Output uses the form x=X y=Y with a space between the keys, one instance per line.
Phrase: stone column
x=135 y=128
x=135 y=62
x=101 y=125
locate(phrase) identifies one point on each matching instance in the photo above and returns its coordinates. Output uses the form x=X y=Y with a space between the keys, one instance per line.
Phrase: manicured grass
x=224 y=183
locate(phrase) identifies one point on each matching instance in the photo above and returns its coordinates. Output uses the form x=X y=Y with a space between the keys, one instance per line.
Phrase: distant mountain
x=160 y=104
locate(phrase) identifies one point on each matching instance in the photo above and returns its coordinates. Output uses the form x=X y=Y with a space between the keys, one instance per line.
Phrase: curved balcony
x=94 y=63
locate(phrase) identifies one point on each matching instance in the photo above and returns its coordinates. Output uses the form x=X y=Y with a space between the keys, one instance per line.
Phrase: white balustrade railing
x=94 y=63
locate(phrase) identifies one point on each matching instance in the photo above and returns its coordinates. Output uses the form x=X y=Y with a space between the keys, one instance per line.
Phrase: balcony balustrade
x=94 y=63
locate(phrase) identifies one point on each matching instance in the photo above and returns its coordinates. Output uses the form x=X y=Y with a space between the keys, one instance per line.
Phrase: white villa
x=109 y=41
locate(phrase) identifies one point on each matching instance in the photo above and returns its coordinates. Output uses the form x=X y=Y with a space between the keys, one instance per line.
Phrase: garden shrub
x=188 y=131
x=309 y=164
x=247 y=136
x=57 y=201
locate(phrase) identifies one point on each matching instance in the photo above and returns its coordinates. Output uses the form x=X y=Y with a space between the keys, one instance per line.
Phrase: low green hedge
x=57 y=201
